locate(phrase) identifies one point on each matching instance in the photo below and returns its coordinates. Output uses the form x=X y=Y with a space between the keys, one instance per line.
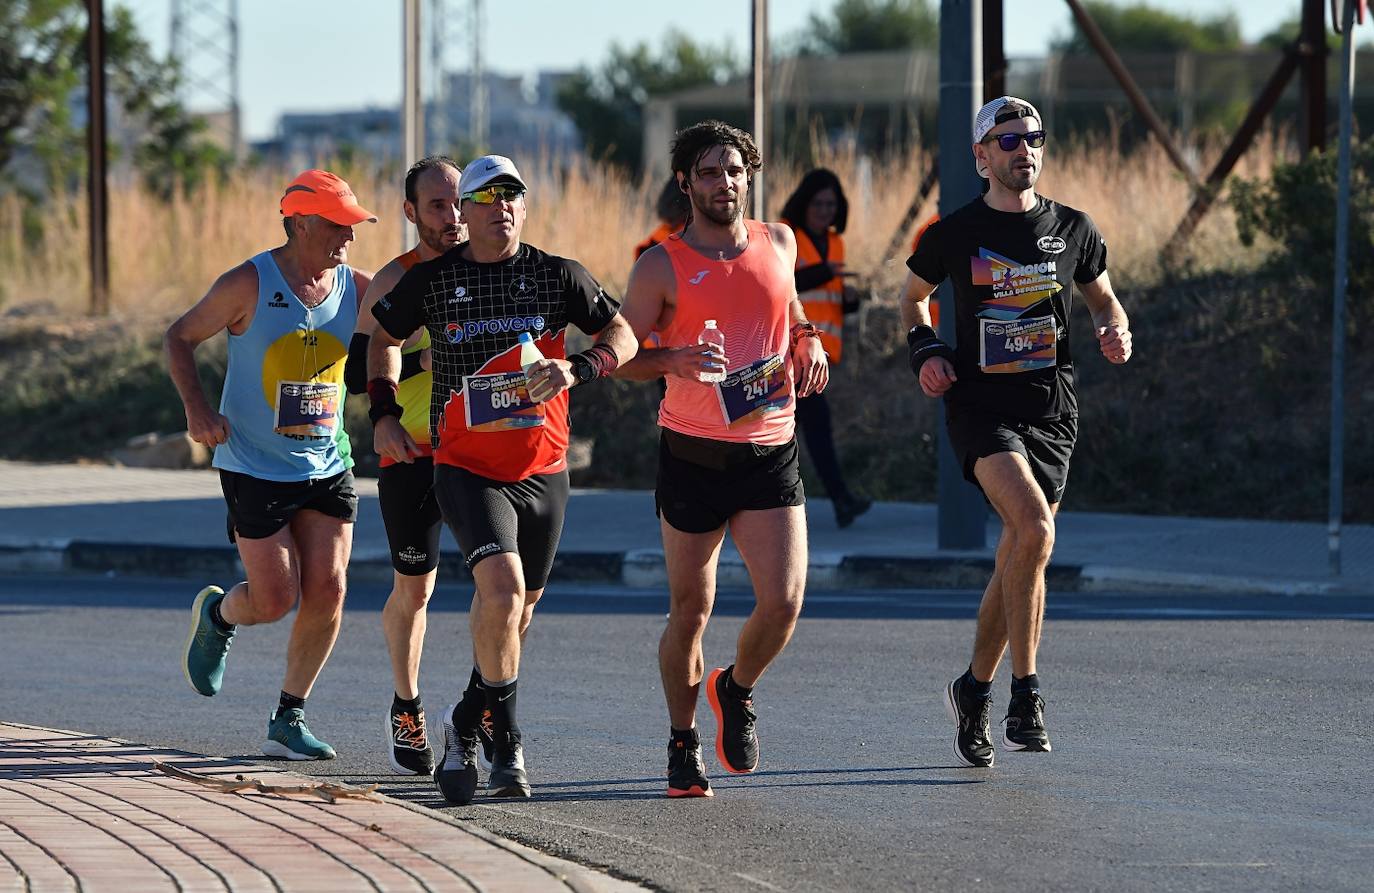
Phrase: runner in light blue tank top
x=283 y=391
x=280 y=446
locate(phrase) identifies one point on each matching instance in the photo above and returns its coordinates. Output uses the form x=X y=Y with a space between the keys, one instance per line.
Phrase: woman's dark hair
x=673 y=205
x=818 y=180
x=692 y=143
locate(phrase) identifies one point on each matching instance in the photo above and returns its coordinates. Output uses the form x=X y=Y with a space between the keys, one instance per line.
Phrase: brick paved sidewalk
x=82 y=812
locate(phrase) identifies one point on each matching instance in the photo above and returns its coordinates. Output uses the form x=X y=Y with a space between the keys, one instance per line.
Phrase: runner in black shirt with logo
x=499 y=431
x=1010 y=406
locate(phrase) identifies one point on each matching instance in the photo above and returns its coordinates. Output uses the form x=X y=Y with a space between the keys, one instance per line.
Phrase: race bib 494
x=1019 y=345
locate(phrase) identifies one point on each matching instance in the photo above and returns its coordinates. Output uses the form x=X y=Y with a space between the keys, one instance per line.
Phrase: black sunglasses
x=1009 y=141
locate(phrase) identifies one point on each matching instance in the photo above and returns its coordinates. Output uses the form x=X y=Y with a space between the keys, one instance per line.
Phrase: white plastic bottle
x=712 y=335
x=529 y=355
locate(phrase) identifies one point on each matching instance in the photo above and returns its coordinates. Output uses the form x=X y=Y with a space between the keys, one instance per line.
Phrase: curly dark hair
x=818 y=180
x=424 y=164
x=695 y=141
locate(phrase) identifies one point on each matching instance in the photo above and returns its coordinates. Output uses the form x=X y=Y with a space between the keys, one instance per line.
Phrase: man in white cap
x=499 y=432
x=1008 y=386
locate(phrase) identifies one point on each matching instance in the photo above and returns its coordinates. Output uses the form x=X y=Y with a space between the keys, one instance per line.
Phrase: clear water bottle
x=529 y=355
x=712 y=335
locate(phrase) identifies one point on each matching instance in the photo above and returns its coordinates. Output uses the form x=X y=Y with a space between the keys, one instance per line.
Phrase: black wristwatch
x=582 y=368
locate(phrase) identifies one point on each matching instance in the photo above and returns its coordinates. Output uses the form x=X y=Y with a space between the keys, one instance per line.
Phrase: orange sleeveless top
x=748 y=297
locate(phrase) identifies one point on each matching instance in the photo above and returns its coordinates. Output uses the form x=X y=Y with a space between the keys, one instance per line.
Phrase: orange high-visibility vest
x=823 y=306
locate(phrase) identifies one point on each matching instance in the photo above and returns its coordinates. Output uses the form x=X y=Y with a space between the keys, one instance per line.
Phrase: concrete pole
x=962 y=513
x=758 y=94
x=412 y=111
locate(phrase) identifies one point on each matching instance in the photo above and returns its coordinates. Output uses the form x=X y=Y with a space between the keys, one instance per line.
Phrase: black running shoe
x=508 y=769
x=1024 y=727
x=972 y=717
x=456 y=774
x=737 y=744
x=407 y=746
x=849 y=508
x=486 y=737
x=686 y=771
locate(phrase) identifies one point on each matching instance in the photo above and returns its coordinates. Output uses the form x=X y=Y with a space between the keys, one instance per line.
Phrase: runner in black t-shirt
x=499 y=431
x=1009 y=396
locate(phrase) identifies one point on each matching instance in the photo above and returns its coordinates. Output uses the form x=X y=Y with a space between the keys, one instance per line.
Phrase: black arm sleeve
x=928 y=262
x=813 y=276
x=355 y=367
x=589 y=307
x=410 y=365
x=402 y=310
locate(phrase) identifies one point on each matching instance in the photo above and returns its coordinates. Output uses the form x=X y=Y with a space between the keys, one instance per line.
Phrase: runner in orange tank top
x=728 y=453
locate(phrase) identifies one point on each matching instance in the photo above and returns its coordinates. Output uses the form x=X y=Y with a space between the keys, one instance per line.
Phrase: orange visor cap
x=325 y=194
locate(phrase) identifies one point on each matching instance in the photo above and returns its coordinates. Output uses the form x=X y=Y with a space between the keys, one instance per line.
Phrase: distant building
x=522 y=120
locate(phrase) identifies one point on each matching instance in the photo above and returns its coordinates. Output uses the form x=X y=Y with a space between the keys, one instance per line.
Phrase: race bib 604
x=500 y=402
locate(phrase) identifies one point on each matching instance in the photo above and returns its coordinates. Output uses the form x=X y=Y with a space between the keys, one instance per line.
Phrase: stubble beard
x=727 y=218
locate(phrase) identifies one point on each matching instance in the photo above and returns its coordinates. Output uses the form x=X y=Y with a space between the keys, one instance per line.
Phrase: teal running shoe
x=207 y=647
x=289 y=737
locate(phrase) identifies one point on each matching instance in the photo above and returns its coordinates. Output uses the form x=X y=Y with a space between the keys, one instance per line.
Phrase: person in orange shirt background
x=818 y=211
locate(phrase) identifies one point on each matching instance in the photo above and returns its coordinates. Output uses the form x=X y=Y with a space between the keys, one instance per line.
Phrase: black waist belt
x=718 y=455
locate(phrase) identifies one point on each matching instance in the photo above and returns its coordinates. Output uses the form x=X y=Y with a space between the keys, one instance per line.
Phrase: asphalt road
x=1200 y=742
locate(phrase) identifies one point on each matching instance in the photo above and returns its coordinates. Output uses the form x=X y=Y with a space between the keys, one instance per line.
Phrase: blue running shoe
x=288 y=736
x=207 y=647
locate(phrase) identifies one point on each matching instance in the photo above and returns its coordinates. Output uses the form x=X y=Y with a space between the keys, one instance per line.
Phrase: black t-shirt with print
x=1012 y=275
x=475 y=314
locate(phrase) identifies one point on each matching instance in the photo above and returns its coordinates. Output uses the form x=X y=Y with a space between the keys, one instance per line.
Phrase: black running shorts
x=411 y=515
x=488 y=517
x=1046 y=445
x=258 y=508
x=702 y=483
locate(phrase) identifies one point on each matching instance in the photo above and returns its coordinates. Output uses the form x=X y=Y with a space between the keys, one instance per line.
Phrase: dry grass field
x=165 y=254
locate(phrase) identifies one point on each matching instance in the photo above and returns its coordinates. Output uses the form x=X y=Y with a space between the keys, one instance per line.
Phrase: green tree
x=1296 y=208
x=856 y=26
x=607 y=104
x=43 y=72
x=1286 y=32
x=1140 y=27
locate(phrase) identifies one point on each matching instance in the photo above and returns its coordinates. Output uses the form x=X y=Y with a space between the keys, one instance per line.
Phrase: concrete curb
x=645 y=569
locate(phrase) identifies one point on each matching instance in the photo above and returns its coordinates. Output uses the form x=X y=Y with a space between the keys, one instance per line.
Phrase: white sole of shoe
x=391 y=751
x=281 y=751
x=1008 y=744
x=191 y=637
x=953 y=712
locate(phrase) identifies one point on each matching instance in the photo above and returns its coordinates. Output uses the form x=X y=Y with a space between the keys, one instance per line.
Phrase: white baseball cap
x=486 y=169
x=999 y=111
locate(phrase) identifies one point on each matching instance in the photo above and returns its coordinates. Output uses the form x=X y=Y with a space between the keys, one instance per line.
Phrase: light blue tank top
x=277 y=388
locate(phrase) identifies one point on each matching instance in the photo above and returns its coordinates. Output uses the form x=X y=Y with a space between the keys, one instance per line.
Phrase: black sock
x=289 y=702
x=687 y=735
x=468 y=716
x=501 y=703
x=733 y=688
x=980 y=689
x=217 y=618
x=1025 y=685
x=401 y=705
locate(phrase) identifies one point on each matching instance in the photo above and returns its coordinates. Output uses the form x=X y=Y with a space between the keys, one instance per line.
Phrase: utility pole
x=477 y=109
x=758 y=93
x=962 y=515
x=97 y=197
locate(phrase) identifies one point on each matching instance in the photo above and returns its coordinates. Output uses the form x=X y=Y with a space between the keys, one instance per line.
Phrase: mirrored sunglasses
x=1008 y=142
x=490 y=194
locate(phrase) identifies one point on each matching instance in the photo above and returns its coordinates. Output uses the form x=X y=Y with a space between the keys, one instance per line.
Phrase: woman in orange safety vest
x=818 y=211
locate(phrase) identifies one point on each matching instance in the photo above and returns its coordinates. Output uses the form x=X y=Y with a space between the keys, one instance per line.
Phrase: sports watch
x=582 y=368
